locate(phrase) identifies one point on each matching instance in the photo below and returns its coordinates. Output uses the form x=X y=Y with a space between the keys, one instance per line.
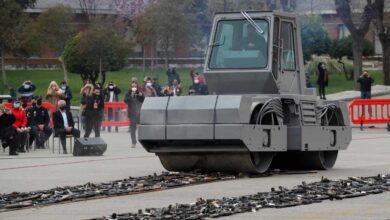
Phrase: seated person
x=20 y=126
x=7 y=131
x=64 y=124
x=38 y=121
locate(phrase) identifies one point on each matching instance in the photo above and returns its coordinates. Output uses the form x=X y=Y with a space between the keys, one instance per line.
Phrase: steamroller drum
x=178 y=162
x=316 y=160
x=323 y=160
x=222 y=162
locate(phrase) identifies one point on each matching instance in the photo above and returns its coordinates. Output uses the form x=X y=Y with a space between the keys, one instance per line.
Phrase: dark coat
x=365 y=83
x=58 y=121
x=89 y=102
x=6 y=128
x=198 y=89
x=322 y=76
x=107 y=91
x=27 y=92
x=134 y=103
x=38 y=115
x=172 y=75
x=67 y=96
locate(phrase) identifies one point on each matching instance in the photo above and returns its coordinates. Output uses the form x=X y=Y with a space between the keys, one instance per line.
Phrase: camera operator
x=365 y=82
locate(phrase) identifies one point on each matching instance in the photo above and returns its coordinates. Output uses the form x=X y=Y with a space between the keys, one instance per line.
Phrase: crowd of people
x=28 y=121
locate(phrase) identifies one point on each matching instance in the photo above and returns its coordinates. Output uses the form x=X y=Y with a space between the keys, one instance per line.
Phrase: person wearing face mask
x=134 y=99
x=7 y=131
x=198 y=87
x=322 y=80
x=111 y=95
x=64 y=124
x=175 y=88
x=149 y=90
x=54 y=93
x=86 y=90
x=38 y=120
x=27 y=89
x=20 y=126
x=67 y=96
x=94 y=106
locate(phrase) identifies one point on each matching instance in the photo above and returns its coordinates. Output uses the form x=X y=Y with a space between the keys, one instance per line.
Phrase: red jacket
x=20 y=118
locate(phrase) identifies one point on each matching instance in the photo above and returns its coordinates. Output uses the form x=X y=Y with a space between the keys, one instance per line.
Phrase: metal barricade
x=117 y=112
x=370 y=111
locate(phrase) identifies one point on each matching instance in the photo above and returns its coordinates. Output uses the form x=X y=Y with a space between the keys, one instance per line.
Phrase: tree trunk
x=151 y=58
x=166 y=59
x=386 y=62
x=143 y=59
x=100 y=76
x=357 y=49
x=5 y=84
x=66 y=78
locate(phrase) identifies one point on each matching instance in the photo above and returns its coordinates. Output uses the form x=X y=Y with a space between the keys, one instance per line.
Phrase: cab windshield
x=240 y=44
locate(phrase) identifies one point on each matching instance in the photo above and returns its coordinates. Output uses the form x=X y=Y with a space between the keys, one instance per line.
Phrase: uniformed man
x=38 y=121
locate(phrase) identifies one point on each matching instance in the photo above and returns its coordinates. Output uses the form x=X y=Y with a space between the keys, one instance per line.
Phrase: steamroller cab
x=260 y=115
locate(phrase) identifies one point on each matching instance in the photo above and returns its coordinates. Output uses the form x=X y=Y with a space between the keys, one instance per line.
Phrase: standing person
x=94 y=106
x=172 y=75
x=26 y=90
x=7 y=131
x=149 y=90
x=54 y=93
x=13 y=95
x=20 y=126
x=322 y=80
x=198 y=87
x=111 y=95
x=86 y=90
x=157 y=87
x=134 y=99
x=38 y=121
x=176 y=88
x=64 y=124
x=67 y=96
x=365 y=82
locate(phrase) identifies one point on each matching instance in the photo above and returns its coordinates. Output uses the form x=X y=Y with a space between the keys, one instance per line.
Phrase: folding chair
x=68 y=136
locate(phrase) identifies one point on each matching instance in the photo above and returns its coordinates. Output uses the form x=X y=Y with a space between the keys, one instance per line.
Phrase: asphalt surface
x=368 y=154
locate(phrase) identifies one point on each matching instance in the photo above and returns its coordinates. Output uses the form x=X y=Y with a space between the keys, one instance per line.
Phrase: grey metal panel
x=228 y=131
x=233 y=109
x=241 y=82
x=151 y=132
x=153 y=111
x=191 y=109
x=315 y=138
x=253 y=137
x=190 y=131
x=294 y=138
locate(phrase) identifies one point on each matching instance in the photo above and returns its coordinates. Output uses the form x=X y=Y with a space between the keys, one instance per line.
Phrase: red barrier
x=115 y=114
x=370 y=111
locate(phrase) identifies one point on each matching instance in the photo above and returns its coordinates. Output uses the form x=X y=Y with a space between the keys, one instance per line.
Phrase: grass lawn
x=337 y=82
x=42 y=78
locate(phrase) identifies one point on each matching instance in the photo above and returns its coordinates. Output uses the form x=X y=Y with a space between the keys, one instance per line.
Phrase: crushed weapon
x=303 y=194
x=128 y=186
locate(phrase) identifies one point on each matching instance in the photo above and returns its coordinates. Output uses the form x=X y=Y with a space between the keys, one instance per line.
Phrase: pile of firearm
x=306 y=193
x=128 y=186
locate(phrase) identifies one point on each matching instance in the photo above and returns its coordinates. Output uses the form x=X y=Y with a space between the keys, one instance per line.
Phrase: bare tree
x=383 y=32
x=357 y=30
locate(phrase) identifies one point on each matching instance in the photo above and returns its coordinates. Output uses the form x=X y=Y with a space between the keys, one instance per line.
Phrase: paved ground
x=368 y=154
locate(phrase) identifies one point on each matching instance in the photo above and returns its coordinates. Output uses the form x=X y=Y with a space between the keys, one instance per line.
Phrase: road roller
x=259 y=115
